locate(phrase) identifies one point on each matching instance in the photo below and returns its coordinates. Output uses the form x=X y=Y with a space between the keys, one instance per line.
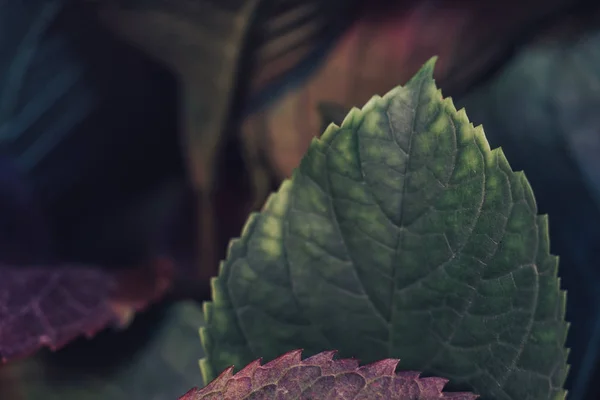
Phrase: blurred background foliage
x=131 y=129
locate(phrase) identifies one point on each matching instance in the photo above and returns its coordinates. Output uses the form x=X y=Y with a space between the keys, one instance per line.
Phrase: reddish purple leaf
x=42 y=306
x=322 y=377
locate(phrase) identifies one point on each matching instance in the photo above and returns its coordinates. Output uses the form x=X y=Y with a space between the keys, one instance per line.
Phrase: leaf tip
x=378 y=368
x=206 y=370
x=426 y=71
x=354 y=115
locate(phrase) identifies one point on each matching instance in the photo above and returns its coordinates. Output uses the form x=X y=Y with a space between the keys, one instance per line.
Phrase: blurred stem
x=202 y=143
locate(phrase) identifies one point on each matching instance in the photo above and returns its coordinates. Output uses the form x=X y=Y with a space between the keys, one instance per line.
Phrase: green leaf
x=150 y=363
x=400 y=235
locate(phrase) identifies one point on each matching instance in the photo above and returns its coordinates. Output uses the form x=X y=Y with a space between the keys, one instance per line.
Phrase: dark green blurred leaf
x=220 y=50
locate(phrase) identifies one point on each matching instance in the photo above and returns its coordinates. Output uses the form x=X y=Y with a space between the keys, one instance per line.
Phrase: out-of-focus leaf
x=543 y=110
x=42 y=92
x=291 y=39
x=387 y=45
x=577 y=80
x=44 y=96
x=401 y=235
x=321 y=377
x=45 y=303
x=79 y=142
x=201 y=42
x=220 y=50
x=52 y=305
x=156 y=363
x=60 y=142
